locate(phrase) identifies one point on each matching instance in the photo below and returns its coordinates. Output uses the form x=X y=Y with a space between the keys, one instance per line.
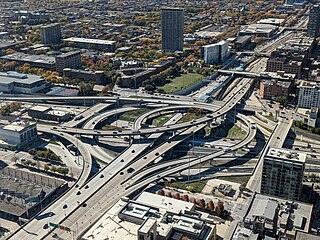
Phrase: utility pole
x=189 y=171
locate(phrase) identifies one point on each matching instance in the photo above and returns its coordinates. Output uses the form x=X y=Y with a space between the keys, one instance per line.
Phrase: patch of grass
x=54 y=142
x=45 y=154
x=237 y=179
x=194 y=186
x=110 y=127
x=159 y=121
x=132 y=115
x=137 y=96
x=271 y=118
x=229 y=130
x=190 y=116
x=182 y=82
x=236 y=132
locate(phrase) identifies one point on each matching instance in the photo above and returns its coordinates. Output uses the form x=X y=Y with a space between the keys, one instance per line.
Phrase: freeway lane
x=276 y=139
x=95 y=191
x=92 y=194
x=101 y=200
x=79 y=195
x=232 y=101
x=34 y=227
x=113 y=190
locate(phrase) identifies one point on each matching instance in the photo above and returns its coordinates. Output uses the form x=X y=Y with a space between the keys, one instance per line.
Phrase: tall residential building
x=172 y=24
x=282 y=173
x=309 y=93
x=68 y=60
x=314 y=22
x=51 y=34
x=215 y=53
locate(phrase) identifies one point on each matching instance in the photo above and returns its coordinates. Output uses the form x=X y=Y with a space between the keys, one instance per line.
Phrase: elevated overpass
x=103 y=189
x=234 y=98
x=277 y=139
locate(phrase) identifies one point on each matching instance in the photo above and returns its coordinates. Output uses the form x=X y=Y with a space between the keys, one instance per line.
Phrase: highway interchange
x=116 y=180
x=140 y=164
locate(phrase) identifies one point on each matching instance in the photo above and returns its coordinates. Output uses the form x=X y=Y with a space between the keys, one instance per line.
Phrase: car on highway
x=227 y=149
x=135 y=130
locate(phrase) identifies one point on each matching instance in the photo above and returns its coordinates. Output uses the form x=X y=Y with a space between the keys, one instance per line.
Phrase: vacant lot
x=182 y=82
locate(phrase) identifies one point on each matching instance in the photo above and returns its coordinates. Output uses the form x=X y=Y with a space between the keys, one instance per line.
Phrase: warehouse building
x=13 y=82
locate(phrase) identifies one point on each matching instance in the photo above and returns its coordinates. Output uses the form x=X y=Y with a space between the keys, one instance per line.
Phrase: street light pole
x=189 y=171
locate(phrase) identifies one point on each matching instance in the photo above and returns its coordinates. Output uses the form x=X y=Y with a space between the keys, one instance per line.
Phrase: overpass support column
x=174 y=133
x=117 y=102
x=209 y=123
x=96 y=138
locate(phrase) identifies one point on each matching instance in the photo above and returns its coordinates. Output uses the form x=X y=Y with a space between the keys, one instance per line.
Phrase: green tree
x=282 y=100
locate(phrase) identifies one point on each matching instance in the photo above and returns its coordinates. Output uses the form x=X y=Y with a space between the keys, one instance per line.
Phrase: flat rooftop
x=14 y=77
x=40 y=108
x=165 y=203
x=22 y=190
x=68 y=54
x=7 y=44
x=30 y=58
x=89 y=41
x=265 y=206
x=276 y=21
x=286 y=154
x=16 y=126
x=308 y=84
x=110 y=226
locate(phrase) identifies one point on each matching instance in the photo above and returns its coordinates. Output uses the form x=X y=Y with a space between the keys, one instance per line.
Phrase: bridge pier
x=117 y=102
x=96 y=138
x=174 y=133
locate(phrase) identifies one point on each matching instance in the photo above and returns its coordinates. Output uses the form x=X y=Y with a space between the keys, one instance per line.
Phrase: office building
x=271 y=217
x=282 y=173
x=13 y=82
x=314 y=22
x=285 y=63
x=31 y=17
x=95 y=76
x=270 y=89
x=36 y=61
x=153 y=216
x=49 y=114
x=88 y=43
x=215 y=53
x=260 y=30
x=308 y=94
x=68 y=60
x=17 y=135
x=242 y=42
x=172 y=25
x=51 y=34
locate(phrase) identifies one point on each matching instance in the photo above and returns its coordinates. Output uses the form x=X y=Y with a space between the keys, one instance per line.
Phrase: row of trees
x=300 y=124
x=45 y=154
x=219 y=209
x=54 y=169
x=9 y=108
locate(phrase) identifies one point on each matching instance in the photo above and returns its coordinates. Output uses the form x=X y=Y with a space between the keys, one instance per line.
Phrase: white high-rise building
x=309 y=93
x=215 y=53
